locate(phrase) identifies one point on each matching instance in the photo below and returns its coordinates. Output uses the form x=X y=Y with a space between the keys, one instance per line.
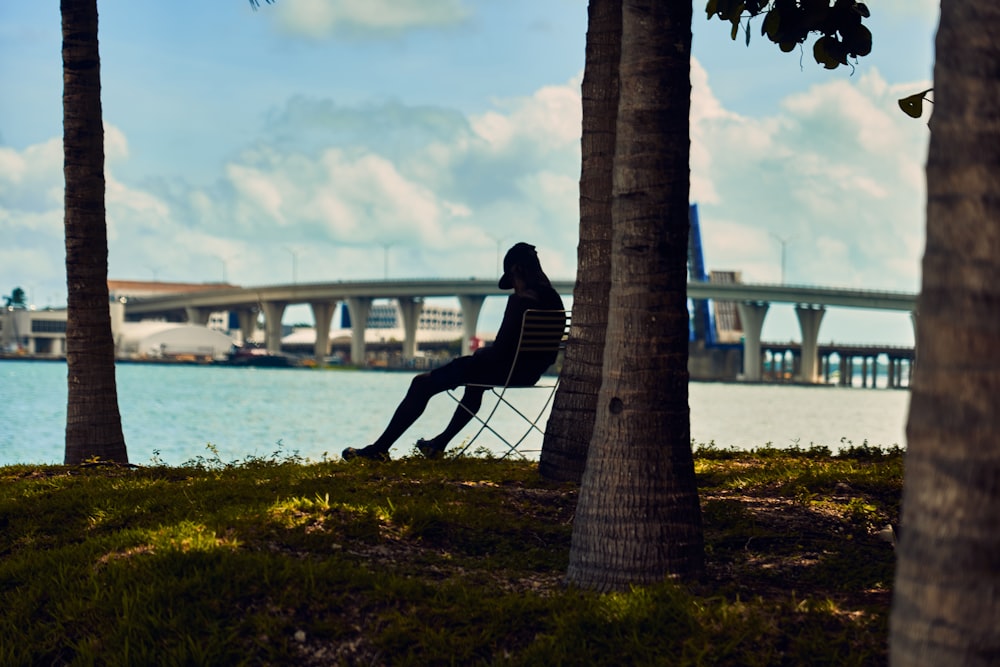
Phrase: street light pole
x=385 y=259
x=784 y=242
x=295 y=260
x=223 y=262
x=499 y=240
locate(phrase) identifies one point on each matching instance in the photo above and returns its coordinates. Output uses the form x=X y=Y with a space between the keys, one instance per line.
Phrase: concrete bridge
x=782 y=363
x=752 y=301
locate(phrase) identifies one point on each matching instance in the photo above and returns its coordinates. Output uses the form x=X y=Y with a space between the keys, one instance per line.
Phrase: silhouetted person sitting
x=491 y=365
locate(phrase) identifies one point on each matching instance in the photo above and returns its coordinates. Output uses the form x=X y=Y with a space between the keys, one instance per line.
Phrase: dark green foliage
x=281 y=561
x=17 y=299
x=788 y=23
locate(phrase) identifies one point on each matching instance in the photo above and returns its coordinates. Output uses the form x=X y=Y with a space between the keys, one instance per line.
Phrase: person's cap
x=522 y=254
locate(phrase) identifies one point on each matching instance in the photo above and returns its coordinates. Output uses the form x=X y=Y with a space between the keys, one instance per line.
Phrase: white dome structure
x=137 y=340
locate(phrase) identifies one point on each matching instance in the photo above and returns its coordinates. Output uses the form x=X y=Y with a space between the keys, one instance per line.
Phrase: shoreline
x=289 y=364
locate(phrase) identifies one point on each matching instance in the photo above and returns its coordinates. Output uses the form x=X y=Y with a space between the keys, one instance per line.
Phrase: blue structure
x=701 y=323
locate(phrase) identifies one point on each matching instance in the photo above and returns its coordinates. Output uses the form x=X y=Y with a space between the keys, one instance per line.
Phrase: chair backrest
x=543 y=331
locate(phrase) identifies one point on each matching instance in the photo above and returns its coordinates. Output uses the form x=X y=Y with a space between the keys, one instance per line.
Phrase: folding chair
x=541 y=331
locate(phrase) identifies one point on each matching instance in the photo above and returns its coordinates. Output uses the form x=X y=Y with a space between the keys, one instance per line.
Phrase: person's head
x=521 y=261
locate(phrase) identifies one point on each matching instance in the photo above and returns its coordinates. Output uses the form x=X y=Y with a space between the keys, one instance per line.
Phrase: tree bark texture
x=638 y=519
x=946 y=598
x=93 y=422
x=571 y=424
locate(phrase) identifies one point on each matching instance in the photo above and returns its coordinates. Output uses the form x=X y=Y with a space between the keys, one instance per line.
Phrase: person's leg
x=411 y=407
x=472 y=400
x=408 y=411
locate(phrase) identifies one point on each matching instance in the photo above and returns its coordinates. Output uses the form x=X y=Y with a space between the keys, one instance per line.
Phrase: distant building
x=386 y=321
x=126 y=289
x=170 y=340
x=436 y=324
x=42 y=333
x=33 y=332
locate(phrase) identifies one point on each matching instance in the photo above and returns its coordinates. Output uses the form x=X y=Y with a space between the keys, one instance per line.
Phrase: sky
x=324 y=140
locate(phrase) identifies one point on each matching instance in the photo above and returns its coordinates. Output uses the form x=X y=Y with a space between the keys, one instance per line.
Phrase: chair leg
x=532 y=424
x=484 y=422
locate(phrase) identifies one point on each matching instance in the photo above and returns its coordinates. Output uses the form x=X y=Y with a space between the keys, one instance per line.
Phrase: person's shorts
x=476 y=370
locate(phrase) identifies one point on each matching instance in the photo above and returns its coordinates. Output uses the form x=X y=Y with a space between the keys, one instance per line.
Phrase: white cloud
x=495 y=128
x=554 y=193
x=259 y=192
x=838 y=174
x=31 y=222
x=418 y=191
x=12 y=164
x=318 y=19
x=550 y=120
x=436 y=183
x=128 y=206
x=115 y=144
x=918 y=8
x=31 y=179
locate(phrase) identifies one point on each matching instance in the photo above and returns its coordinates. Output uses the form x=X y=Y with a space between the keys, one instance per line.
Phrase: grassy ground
x=282 y=562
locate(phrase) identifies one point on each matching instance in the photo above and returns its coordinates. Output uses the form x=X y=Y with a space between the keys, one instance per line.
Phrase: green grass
x=280 y=561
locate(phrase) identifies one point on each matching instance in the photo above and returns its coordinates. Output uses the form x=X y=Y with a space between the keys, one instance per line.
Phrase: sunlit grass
x=281 y=561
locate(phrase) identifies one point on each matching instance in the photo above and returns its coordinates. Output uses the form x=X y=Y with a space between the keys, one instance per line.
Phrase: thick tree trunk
x=93 y=423
x=946 y=599
x=571 y=424
x=638 y=519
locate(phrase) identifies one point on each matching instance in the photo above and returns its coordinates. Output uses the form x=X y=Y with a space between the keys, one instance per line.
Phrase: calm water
x=178 y=411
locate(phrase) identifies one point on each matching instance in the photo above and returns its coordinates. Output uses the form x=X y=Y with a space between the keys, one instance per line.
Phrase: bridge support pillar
x=322 y=315
x=273 y=311
x=752 y=317
x=197 y=315
x=359 y=306
x=248 y=324
x=471 y=305
x=409 y=308
x=810 y=318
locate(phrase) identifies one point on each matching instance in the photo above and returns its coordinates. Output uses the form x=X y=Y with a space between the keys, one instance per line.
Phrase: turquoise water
x=175 y=412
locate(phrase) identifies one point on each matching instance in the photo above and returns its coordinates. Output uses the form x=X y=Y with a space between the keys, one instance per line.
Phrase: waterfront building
x=28 y=332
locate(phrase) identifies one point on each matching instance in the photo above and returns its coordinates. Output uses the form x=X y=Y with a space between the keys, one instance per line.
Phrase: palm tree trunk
x=638 y=519
x=946 y=604
x=571 y=424
x=93 y=423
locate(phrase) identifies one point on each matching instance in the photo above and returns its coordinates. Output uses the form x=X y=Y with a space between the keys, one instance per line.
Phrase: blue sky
x=342 y=140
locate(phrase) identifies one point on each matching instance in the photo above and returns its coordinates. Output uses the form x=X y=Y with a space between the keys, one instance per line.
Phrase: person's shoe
x=368 y=452
x=429 y=449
